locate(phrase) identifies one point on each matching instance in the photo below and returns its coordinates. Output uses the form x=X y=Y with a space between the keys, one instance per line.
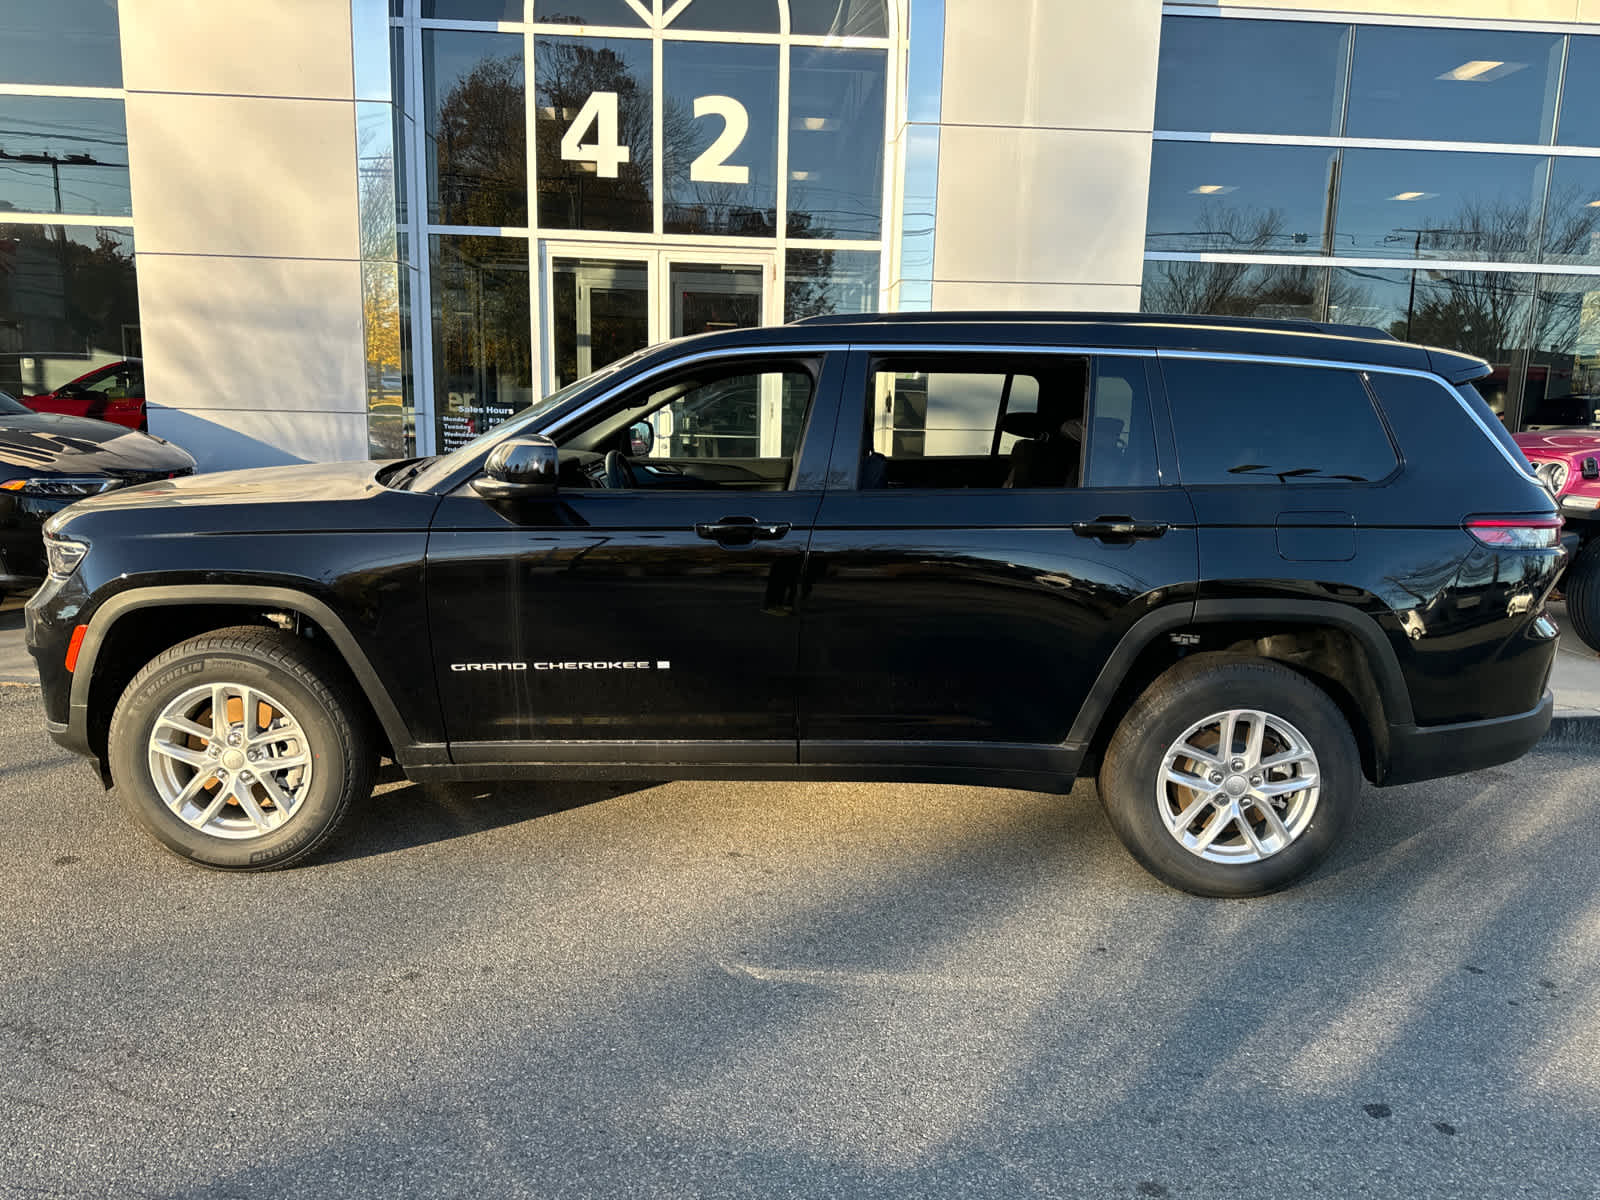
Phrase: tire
x=1582 y=584
x=251 y=814
x=1178 y=707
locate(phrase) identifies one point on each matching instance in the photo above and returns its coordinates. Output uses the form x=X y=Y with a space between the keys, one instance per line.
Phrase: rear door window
x=1274 y=423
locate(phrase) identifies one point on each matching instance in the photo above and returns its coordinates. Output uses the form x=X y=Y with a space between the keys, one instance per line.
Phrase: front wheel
x=1582 y=585
x=1230 y=777
x=242 y=749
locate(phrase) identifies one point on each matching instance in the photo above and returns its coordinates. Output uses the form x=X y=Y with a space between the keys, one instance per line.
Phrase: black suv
x=1229 y=566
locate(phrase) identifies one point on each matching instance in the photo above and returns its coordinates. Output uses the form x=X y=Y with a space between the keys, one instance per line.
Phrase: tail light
x=1515 y=533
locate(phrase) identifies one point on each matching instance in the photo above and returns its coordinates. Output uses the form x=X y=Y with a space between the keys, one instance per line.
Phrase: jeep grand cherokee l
x=1229 y=567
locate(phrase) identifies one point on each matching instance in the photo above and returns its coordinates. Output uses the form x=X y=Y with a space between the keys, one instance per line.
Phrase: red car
x=1567 y=461
x=114 y=392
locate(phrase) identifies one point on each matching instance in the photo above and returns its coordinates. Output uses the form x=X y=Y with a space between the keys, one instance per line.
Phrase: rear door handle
x=1119 y=529
x=741 y=531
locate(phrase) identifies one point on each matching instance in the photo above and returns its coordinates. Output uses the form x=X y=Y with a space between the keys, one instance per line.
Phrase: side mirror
x=641 y=439
x=521 y=469
x=71 y=391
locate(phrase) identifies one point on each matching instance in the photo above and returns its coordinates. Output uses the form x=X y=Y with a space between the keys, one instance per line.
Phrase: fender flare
x=108 y=614
x=1381 y=659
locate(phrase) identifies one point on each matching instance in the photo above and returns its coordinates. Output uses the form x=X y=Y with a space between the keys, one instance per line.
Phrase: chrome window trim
x=1370 y=368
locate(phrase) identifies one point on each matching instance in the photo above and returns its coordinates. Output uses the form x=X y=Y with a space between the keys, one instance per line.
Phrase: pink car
x=1568 y=462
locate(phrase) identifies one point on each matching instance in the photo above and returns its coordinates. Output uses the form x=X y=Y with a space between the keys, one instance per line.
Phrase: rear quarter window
x=1274 y=423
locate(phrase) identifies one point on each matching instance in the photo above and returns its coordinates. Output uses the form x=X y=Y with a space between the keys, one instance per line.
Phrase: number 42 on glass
x=607 y=153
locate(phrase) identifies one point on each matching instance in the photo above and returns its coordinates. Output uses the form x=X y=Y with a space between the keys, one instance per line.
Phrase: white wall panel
x=1038 y=297
x=237 y=438
x=1041 y=205
x=224 y=175
x=1051 y=63
x=238 y=47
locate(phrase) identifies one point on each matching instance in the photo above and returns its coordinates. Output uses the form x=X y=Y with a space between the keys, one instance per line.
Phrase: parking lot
x=787 y=990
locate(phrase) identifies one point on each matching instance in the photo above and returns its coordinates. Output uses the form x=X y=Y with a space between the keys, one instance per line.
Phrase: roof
x=1155 y=331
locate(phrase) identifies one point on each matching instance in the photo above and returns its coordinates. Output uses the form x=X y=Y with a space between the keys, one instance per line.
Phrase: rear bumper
x=1418 y=752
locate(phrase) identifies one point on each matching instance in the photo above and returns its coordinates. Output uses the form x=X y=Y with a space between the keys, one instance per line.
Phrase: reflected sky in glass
x=1580 y=96
x=1251 y=76
x=836 y=142
x=748 y=75
x=70 y=150
x=1438 y=204
x=1458 y=85
x=1215 y=196
x=584 y=12
x=925 y=61
x=62 y=42
x=730 y=16
x=839 y=18
x=476 y=128
x=920 y=203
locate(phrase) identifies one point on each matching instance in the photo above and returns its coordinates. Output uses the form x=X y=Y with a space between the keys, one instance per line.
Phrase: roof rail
x=1103 y=318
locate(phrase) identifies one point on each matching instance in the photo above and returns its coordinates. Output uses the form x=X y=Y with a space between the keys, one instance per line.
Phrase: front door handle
x=1119 y=529
x=741 y=531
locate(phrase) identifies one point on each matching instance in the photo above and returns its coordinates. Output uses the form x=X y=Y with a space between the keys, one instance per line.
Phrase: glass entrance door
x=604 y=302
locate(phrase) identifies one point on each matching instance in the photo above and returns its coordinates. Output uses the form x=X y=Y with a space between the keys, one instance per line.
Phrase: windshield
x=438 y=469
x=9 y=405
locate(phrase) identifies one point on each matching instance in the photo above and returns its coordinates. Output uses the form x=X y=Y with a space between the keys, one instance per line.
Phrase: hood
x=311 y=484
x=1568 y=445
x=48 y=443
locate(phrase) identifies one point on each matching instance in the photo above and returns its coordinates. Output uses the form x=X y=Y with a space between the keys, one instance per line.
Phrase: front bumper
x=1418 y=752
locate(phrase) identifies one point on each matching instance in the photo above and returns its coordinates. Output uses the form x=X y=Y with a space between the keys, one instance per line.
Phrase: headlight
x=64 y=555
x=62 y=487
x=1554 y=477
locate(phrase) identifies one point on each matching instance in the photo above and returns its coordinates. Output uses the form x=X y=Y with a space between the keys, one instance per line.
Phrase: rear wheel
x=1230 y=777
x=1582 y=584
x=242 y=749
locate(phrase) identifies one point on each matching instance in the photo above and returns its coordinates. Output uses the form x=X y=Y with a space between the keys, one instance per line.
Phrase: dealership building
x=341 y=228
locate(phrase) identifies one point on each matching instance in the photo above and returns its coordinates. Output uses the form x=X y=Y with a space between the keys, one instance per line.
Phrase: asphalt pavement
x=795 y=991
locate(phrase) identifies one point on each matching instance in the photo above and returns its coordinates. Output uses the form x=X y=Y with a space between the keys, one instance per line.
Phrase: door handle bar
x=1119 y=528
x=741 y=529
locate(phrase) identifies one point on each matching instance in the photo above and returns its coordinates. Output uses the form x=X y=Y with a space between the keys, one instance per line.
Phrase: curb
x=1572 y=731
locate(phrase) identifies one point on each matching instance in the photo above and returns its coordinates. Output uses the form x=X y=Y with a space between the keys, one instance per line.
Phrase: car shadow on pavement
x=420 y=814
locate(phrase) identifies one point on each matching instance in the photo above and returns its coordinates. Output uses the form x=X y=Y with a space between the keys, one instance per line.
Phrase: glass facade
x=587 y=177
x=69 y=299
x=1439 y=183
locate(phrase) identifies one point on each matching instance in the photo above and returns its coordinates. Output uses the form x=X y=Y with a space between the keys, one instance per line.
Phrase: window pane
x=477 y=128
x=473 y=10
x=820 y=281
x=964 y=425
x=1572 y=212
x=743 y=417
x=839 y=18
x=1233 y=289
x=1453 y=85
x=482 y=359
x=584 y=12
x=1263 y=423
x=66 y=42
x=731 y=16
x=709 y=297
x=69 y=301
x=1563 y=384
x=63 y=155
x=1580 y=94
x=603 y=181
x=1213 y=196
x=1121 y=438
x=1251 y=76
x=836 y=117
x=601 y=311
x=1434 y=204
x=712 y=89
x=386 y=312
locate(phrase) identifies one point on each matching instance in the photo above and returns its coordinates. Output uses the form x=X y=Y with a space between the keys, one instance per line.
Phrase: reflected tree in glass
x=480 y=142
x=572 y=195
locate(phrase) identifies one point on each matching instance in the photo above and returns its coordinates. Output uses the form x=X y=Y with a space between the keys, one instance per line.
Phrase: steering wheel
x=619 y=471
